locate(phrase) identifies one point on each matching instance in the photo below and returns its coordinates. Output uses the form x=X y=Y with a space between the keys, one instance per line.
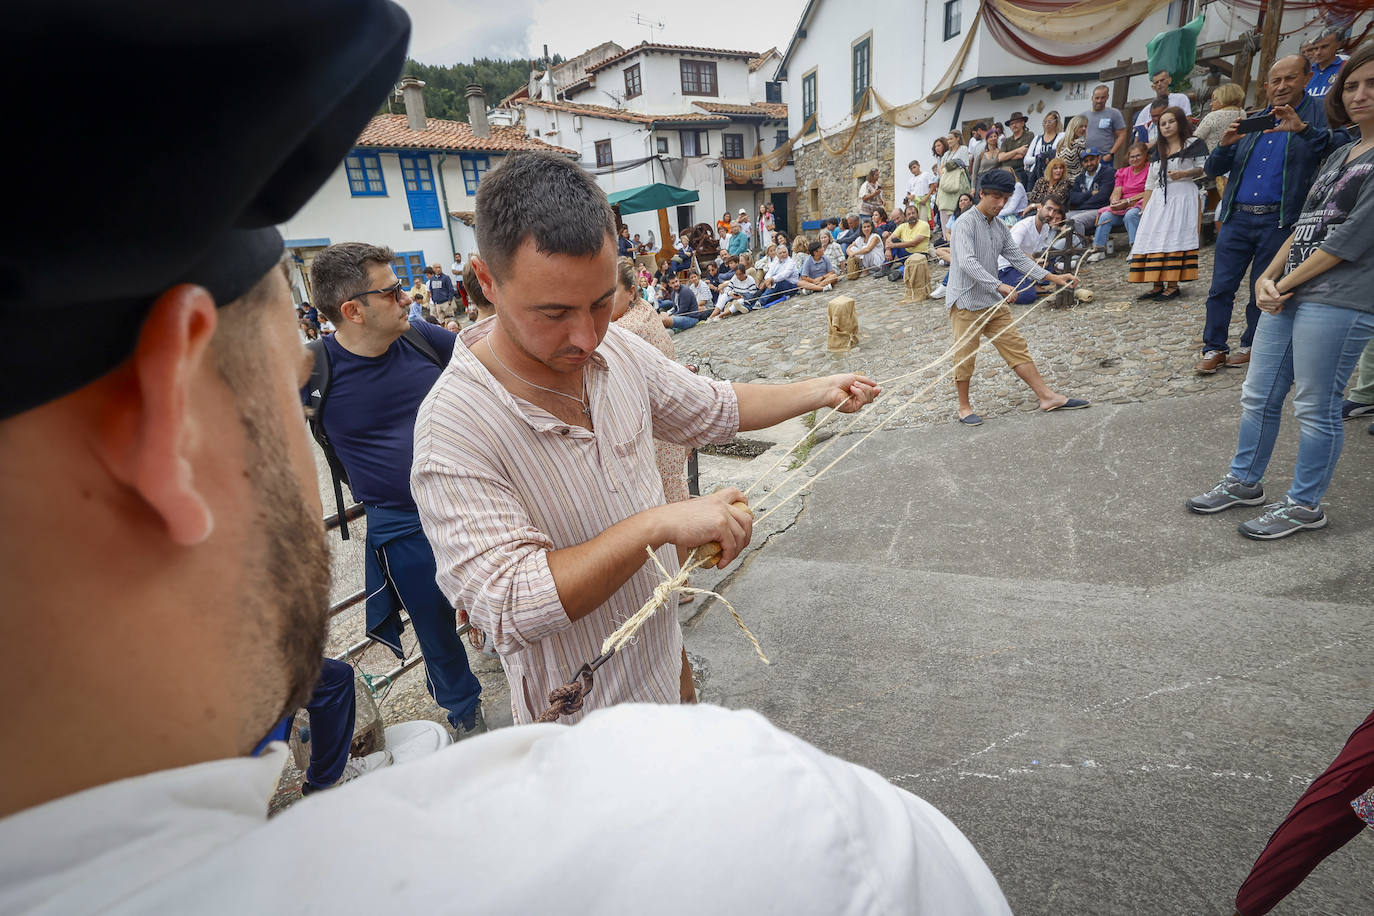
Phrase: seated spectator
x=867 y=250
x=1032 y=235
x=781 y=279
x=1055 y=183
x=834 y=253
x=1011 y=211
x=683 y=258
x=882 y=223
x=453 y=325
x=909 y=239
x=850 y=232
x=817 y=273
x=801 y=250
x=739 y=241
x=738 y=296
x=686 y=311
x=310 y=331
x=1124 y=207
x=1090 y=192
x=699 y=288
x=479 y=306
x=1226 y=102
x=713 y=279
x=770 y=256
x=646 y=290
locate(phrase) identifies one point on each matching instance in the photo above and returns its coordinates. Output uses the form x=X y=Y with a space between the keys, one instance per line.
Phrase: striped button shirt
x=975 y=244
x=500 y=482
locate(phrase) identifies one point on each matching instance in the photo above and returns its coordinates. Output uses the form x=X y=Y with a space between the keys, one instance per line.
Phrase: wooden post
x=1269 y=43
x=1240 y=72
x=1121 y=87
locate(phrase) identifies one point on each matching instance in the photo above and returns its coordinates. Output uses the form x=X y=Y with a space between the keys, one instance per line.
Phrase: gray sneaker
x=474 y=724
x=1281 y=520
x=1230 y=492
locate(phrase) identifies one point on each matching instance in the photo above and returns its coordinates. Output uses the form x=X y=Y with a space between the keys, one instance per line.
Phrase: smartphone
x=1257 y=123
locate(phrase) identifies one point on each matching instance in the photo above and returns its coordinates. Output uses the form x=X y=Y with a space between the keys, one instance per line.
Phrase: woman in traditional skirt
x=1165 y=249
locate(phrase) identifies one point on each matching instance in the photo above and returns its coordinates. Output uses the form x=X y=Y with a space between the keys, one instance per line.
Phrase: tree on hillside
x=445 y=87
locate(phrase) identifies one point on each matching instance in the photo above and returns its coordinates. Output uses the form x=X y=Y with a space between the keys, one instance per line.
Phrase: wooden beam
x=1269 y=43
x=1120 y=86
x=1240 y=71
x=1217 y=51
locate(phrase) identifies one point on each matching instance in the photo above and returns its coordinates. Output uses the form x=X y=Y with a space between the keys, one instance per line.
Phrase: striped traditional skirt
x=1162 y=267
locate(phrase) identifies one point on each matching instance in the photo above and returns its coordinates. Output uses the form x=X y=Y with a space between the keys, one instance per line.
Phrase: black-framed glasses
x=395 y=291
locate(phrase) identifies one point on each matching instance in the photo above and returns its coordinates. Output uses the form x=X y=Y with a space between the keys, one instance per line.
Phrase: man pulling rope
x=534 y=469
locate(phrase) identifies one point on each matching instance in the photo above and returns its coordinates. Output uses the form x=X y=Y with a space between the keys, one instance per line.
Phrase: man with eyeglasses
x=379 y=374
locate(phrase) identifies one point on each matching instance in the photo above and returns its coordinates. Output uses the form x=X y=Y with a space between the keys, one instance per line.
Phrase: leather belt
x=1258 y=208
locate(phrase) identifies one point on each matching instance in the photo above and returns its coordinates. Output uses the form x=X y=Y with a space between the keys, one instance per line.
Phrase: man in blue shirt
x=1326 y=63
x=441 y=292
x=377 y=381
x=1269 y=176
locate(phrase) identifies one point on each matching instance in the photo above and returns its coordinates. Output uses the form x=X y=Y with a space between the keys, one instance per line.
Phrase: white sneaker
x=361 y=766
x=1097 y=256
x=938 y=292
x=829 y=287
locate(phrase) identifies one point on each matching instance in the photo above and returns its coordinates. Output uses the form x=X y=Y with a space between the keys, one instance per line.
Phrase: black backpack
x=318 y=388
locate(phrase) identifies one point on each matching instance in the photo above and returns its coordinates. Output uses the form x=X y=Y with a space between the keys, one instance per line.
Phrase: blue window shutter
x=409 y=265
x=418 y=177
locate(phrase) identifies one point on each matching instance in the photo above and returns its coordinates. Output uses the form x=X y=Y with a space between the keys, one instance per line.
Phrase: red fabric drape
x=1008 y=37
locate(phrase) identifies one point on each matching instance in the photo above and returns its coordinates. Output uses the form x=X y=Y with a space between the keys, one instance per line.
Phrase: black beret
x=166 y=140
x=997 y=180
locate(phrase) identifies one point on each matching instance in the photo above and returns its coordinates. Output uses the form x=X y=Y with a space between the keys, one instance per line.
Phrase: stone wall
x=828 y=185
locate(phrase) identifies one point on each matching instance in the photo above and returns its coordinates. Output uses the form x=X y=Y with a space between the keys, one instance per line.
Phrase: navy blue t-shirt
x=370 y=413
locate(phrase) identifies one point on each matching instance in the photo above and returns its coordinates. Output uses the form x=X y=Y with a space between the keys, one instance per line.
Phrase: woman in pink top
x=1124 y=206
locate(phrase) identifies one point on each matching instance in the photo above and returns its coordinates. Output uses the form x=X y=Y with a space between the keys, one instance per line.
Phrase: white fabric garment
x=1031 y=236
x=784 y=269
x=1169 y=221
x=1017 y=202
x=702 y=291
x=1176 y=100
x=637 y=809
x=976 y=148
x=919 y=185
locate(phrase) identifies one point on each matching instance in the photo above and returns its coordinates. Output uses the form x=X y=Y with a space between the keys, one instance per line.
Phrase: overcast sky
x=456 y=31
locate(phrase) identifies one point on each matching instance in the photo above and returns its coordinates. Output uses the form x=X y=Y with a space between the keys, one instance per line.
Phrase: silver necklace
x=586 y=407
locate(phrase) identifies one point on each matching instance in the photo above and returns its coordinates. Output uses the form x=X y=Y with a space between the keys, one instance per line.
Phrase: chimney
x=412 y=91
x=477 y=111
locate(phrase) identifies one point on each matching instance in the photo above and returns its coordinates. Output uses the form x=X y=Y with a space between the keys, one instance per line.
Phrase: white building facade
x=903 y=49
x=412 y=190
x=670 y=114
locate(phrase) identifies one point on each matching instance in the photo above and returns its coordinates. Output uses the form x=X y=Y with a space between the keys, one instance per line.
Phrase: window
x=809 y=100
x=418 y=176
x=365 y=174
x=409 y=265
x=780 y=138
x=952 y=25
x=633 y=87
x=861 y=59
x=474 y=167
x=603 y=154
x=662 y=145
x=698 y=77
x=772 y=91
x=693 y=143
x=732 y=146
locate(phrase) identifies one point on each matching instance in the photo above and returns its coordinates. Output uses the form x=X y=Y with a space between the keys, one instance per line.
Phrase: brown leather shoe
x=1211 y=361
x=1238 y=357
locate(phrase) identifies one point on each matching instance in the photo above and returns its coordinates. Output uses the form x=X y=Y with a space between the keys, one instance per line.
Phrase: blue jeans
x=1014 y=278
x=1311 y=348
x=1109 y=220
x=780 y=289
x=331 y=708
x=683 y=322
x=1246 y=240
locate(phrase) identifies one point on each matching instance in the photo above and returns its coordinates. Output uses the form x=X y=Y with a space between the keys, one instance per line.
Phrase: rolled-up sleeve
x=491 y=560
x=687 y=409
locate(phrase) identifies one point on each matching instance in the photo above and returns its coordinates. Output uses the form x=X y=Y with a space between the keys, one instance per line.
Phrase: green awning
x=651 y=197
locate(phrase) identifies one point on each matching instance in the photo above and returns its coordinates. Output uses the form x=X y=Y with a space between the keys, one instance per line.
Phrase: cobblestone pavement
x=1114 y=349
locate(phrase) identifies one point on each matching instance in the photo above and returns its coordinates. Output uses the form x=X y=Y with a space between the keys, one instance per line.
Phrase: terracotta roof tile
x=393 y=132
x=774 y=111
x=756 y=62
x=645 y=46
x=622 y=114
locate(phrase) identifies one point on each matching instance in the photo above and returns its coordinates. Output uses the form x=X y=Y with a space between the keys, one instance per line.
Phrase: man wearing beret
x=978 y=299
x=169 y=453
x=1090 y=192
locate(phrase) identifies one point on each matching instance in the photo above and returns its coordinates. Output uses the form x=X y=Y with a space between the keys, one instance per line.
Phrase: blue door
x=420 y=194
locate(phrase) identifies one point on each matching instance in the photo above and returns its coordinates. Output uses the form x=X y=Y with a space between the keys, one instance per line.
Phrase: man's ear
x=484 y=277
x=151 y=433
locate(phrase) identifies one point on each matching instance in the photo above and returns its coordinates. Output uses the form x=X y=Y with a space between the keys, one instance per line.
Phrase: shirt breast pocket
x=633 y=451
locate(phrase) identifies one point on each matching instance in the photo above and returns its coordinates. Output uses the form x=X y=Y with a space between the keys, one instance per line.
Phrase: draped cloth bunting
x=1066 y=34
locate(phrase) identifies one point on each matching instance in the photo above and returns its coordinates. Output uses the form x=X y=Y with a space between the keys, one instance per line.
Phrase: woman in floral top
x=1054 y=184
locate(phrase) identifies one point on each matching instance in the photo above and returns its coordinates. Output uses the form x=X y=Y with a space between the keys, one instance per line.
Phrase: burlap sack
x=1083 y=295
x=917 y=273
x=844 y=324
x=853 y=267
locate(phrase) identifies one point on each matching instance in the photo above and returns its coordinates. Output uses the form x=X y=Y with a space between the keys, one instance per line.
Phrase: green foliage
x=446 y=87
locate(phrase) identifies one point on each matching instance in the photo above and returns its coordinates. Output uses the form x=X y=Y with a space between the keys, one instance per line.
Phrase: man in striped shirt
x=978 y=299
x=534 y=460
